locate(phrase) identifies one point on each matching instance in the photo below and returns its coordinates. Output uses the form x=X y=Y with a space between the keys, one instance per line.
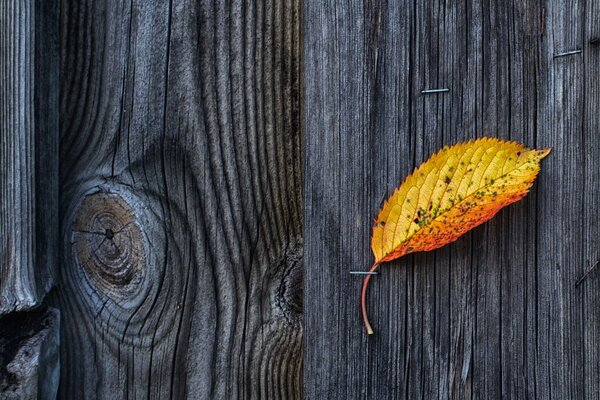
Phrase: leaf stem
x=363 y=299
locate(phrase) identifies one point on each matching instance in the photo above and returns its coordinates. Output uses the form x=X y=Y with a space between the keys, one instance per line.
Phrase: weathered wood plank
x=589 y=281
x=28 y=151
x=181 y=201
x=560 y=240
x=496 y=314
x=29 y=356
x=29 y=365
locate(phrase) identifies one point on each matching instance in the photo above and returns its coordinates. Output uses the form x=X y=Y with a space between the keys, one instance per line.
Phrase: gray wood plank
x=181 y=205
x=589 y=281
x=28 y=152
x=496 y=314
x=560 y=211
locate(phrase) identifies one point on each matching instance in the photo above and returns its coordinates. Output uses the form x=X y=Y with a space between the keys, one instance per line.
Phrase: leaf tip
x=544 y=152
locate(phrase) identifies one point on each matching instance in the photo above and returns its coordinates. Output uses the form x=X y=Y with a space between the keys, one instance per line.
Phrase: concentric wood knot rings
x=108 y=243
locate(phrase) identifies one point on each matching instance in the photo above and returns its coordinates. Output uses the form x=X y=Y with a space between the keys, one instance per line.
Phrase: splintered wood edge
x=29 y=354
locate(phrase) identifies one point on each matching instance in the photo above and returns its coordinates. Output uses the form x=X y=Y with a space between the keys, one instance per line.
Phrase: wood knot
x=290 y=289
x=108 y=242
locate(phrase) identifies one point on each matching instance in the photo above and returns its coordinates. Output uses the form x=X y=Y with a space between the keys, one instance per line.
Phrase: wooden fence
x=186 y=186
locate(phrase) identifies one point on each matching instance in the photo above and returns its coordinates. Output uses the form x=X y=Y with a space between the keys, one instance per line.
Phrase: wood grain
x=28 y=152
x=496 y=314
x=181 y=200
x=590 y=276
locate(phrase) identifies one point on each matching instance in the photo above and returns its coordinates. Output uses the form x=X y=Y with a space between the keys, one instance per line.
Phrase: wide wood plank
x=497 y=314
x=181 y=207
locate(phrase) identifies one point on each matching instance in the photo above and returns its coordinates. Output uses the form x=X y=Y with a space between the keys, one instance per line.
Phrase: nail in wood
x=567 y=53
x=427 y=91
x=585 y=275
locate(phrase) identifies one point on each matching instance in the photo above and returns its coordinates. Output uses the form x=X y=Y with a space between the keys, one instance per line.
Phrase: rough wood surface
x=29 y=356
x=181 y=205
x=28 y=151
x=506 y=311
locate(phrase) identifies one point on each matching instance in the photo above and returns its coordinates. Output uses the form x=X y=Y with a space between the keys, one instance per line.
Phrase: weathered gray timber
x=506 y=311
x=28 y=151
x=29 y=356
x=181 y=200
x=29 y=331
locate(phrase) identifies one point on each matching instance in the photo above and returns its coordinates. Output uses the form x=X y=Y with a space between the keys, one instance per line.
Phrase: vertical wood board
x=503 y=312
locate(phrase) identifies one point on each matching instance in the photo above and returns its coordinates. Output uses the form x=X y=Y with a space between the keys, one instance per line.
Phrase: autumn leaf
x=457 y=189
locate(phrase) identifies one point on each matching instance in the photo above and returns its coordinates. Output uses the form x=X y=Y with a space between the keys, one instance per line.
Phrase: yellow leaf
x=457 y=189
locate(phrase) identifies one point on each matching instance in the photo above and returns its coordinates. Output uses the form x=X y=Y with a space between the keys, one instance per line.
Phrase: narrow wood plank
x=560 y=212
x=181 y=202
x=496 y=314
x=589 y=281
x=28 y=151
